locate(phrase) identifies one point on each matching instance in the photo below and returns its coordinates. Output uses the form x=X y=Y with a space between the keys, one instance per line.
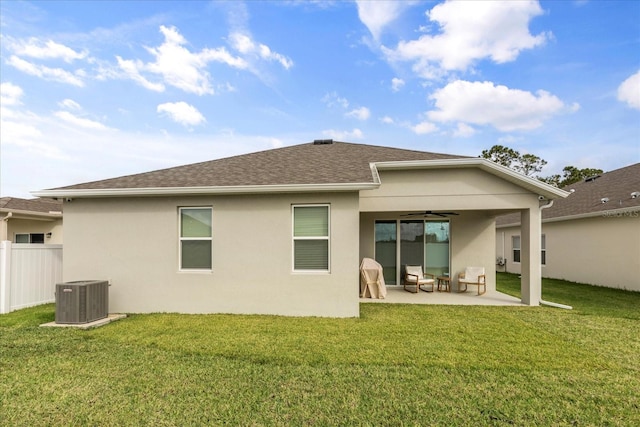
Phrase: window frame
x=543 y=249
x=515 y=249
x=22 y=236
x=295 y=238
x=30 y=238
x=183 y=239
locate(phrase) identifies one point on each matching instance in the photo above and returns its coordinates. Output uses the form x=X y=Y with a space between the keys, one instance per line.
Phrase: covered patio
x=397 y=295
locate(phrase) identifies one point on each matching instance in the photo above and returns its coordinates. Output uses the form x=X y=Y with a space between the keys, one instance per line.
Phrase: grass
x=397 y=365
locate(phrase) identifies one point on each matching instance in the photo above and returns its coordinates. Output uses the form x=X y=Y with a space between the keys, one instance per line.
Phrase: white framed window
x=515 y=246
x=196 y=238
x=311 y=230
x=22 y=238
x=29 y=238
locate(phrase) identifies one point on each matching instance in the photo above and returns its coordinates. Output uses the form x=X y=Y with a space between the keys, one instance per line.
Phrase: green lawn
x=395 y=365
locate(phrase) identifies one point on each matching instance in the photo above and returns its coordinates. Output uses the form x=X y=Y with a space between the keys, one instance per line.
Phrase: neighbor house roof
x=615 y=191
x=322 y=165
x=31 y=207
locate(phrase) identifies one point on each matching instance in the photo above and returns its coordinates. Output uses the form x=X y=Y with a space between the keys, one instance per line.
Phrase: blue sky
x=93 y=90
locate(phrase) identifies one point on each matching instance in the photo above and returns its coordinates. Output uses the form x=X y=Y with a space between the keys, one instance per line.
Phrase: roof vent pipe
x=635 y=194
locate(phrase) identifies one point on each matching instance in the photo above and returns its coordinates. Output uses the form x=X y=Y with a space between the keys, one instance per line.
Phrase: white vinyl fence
x=28 y=274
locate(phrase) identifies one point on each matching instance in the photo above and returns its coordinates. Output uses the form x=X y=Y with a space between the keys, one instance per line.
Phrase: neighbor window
x=311 y=238
x=195 y=238
x=30 y=238
x=515 y=244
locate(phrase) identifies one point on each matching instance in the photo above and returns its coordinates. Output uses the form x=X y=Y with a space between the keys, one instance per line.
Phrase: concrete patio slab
x=397 y=295
x=95 y=324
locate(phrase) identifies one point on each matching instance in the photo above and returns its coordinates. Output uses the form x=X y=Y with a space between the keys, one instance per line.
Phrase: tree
x=527 y=164
x=530 y=165
x=570 y=175
x=501 y=155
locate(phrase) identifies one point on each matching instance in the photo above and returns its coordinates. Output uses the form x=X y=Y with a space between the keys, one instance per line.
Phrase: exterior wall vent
x=323 y=142
x=82 y=301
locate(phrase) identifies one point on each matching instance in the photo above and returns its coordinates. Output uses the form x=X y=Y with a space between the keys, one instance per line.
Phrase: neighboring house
x=592 y=236
x=31 y=220
x=283 y=231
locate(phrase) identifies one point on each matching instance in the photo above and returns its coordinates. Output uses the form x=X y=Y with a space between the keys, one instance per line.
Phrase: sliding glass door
x=386 y=249
x=436 y=243
x=411 y=244
x=422 y=242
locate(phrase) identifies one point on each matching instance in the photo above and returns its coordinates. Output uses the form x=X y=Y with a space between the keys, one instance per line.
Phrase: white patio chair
x=415 y=278
x=472 y=276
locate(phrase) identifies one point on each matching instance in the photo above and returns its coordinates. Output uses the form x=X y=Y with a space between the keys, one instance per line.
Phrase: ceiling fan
x=431 y=213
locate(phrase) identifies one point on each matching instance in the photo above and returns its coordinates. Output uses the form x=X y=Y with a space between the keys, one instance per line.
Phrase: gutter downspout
x=543 y=302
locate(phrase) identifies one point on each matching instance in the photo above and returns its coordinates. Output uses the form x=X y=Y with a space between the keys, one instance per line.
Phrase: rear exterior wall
x=134 y=243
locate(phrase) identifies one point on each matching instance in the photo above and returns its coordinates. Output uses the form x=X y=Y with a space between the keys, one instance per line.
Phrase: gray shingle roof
x=10 y=204
x=587 y=196
x=334 y=163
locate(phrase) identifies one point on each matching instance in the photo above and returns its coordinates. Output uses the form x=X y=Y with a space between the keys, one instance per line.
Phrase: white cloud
x=396 y=84
x=47 y=73
x=10 y=94
x=39 y=49
x=471 y=31
x=464 y=131
x=22 y=130
x=340 y=135
x=424 y=128
x=13 y=131
x=361 y=113
x=387 y=120
x=376 y=15
x=245 y=45
x=79 y=121
x=69 y=104
x=483 y=103
x=181 y=112
x=178 y=66
x=132 y=70
x=333 y=99
x=629 y=91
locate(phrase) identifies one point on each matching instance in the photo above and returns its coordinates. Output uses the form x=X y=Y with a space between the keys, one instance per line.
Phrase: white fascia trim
x=22 y=214
x=197 y=191
x=532 y=184
x=632 y=211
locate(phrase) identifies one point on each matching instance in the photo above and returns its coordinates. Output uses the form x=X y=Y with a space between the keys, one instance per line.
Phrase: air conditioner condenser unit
x=82 y=301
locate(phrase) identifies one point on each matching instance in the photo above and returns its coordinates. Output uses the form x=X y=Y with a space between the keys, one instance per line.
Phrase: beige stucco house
x=592 y=236
x=283 y=231
x=30 y=220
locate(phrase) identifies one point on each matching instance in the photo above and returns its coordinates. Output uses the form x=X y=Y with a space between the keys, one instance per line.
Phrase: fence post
x=5 y=277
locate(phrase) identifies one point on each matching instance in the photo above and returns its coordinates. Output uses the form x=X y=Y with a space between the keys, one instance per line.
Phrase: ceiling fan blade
x=426 y=214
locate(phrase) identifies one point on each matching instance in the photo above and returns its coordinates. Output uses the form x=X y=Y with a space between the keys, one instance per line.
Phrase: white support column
x=5 y=277
x=531 y=281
